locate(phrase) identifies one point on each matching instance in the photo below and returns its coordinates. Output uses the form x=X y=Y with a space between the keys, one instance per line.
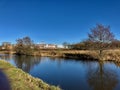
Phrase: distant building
x=46 y=46
x=41 y=46
x=60 y=46
x=51 y=46
x=6 y=46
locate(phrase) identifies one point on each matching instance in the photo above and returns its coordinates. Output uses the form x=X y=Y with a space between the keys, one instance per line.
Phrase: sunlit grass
x=20 y=80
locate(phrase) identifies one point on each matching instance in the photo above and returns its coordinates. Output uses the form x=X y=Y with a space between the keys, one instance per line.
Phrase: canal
x=69 y=74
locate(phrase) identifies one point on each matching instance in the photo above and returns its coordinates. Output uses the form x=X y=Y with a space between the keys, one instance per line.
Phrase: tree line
x=100 y=38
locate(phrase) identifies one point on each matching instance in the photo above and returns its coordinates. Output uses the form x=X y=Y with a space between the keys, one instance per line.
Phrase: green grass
x=20 y=80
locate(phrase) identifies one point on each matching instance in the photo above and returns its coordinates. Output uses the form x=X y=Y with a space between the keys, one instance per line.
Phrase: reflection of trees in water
x=100 y=78
x=117 y=64
x=6 y=56
x=26 y=62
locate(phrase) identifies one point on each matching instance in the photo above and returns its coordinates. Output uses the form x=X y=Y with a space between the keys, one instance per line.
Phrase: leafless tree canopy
x=100 y=38
x=101 y=34
x=24 y=46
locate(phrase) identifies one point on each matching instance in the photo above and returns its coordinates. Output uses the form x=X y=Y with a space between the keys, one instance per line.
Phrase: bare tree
x=24 y=46
x=27 y=41
x=100 y=37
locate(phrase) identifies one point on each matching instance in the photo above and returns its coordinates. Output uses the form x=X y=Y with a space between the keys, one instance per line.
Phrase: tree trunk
x=100 y=55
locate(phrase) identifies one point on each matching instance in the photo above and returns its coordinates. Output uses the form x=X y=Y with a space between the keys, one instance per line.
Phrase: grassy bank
x=107 y=55
x=20 y=80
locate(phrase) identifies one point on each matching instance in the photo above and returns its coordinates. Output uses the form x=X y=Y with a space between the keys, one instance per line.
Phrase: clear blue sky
x=56 y=21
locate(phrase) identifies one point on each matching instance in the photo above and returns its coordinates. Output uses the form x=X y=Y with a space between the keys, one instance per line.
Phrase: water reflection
x=6 y=56
x=23 y=62
x=70 y=74
x=102 y=78
x=26 y=62
x=117 y=64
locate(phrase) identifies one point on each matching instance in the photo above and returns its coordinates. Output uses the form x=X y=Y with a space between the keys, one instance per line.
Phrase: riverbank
x=107 y=55
x=19 y=80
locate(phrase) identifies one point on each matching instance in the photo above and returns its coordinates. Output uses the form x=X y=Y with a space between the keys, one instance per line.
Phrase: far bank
x=108 y=55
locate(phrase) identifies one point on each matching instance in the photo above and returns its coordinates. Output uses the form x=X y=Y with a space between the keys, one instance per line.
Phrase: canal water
x=70 y=74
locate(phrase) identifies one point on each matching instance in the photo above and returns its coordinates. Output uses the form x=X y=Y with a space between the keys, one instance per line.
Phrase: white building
x=60 y=46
